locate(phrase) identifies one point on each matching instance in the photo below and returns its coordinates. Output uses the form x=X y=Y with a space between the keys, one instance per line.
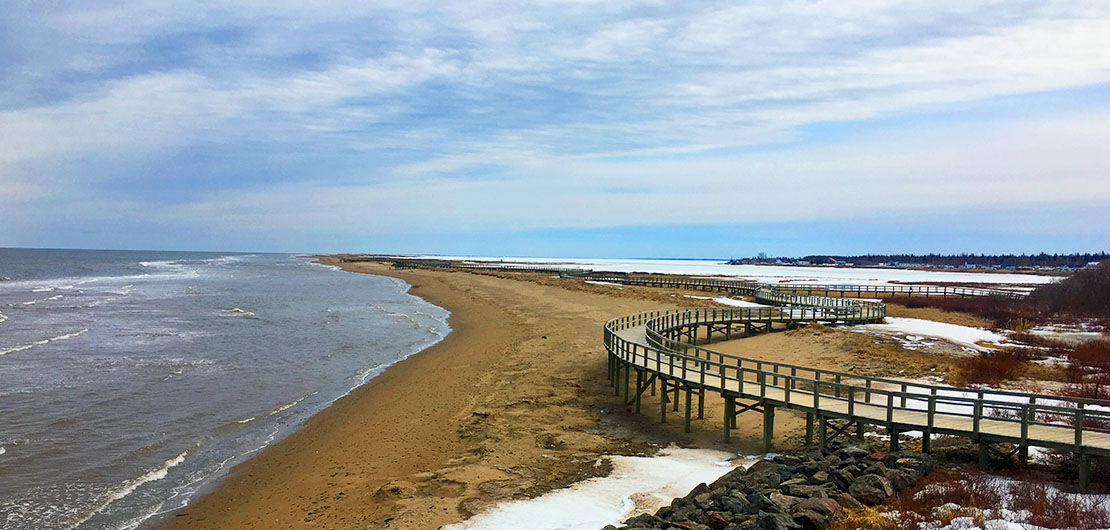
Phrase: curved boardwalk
x=667 y=347
x=664 y=346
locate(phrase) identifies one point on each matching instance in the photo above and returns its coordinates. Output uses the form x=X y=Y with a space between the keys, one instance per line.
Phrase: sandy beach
x=513 y=403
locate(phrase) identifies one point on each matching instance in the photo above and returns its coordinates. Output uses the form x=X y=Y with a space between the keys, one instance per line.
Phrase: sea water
x=131 y=381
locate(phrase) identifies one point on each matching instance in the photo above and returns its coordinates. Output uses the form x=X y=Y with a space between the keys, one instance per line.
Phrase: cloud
x=478 y=114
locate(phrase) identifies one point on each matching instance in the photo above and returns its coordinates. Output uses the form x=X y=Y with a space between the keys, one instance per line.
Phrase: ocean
x=130 y=382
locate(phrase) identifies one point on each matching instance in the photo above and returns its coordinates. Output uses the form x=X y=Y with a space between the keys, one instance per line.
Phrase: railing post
x=1079 y=426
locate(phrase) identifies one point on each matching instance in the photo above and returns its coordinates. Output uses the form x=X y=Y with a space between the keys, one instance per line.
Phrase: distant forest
x=956 y=260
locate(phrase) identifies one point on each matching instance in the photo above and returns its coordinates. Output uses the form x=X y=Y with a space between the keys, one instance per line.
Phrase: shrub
x=992 y=368
x=1085 y=293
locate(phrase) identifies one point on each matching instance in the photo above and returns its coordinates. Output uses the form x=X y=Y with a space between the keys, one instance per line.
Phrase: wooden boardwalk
x=667 y=348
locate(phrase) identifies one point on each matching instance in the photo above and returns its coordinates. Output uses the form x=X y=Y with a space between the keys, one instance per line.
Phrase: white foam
x=126 y=488
x=67 y=336
x=636 y=485
x=248 y=420
x=2 y=450
x=3 y=317
x=290 y=405
x=238 y=311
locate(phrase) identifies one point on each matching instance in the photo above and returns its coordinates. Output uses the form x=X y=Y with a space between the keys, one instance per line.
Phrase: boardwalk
x=668 y=348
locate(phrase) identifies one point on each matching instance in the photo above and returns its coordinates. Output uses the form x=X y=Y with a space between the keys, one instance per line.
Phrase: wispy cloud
x=418 y=114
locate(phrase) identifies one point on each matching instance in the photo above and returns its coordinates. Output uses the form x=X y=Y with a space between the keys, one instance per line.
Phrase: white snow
x=637 y=485
x=915 y=330
x=768 y=273
x=1073 y=334
x=617 y=285
x=724 y=300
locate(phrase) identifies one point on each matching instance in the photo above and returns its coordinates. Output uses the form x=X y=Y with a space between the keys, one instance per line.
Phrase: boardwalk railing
x=664 y=345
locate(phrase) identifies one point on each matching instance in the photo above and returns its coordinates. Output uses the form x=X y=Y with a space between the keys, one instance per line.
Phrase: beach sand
x=513 y=403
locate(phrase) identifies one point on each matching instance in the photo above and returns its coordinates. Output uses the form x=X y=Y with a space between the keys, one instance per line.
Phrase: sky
x=571 y=128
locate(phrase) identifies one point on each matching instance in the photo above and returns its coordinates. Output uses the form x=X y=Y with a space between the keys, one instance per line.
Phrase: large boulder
x=871 y=489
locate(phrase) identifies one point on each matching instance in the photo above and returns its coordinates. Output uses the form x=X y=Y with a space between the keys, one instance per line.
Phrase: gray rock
x=784 y=501
x=645 y=521
x=819 y=477
x=842 y=479
x=735 y=502
x=826 y=507
x=811 y=520
x=871 y=489
x=775 y=521
x=848 y=502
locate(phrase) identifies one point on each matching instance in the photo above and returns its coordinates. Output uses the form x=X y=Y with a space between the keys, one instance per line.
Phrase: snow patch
x=724 y=300
x=637 y=485
x=914 y=331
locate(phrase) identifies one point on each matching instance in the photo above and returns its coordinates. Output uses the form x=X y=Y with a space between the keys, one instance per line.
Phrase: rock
x=775 y=521
x=848 y=502
x=703 y=500
x=715 y=521
x=819 y=477
x=799 y=480
x=900 y=479
x=871 y=489
x=811 y=520
x=853 y=452
x=841 y=479
x=784 y=501
x=826 y=507
x=921 y=462
x=761 y=502
x=735 y=502
x=876 y=469
x=645 y=521
x=807 y=490
x=788 y=460
x=763 y=465
x=698 y=490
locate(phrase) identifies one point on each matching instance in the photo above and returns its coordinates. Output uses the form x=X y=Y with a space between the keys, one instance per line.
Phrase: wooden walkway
x=667 y=348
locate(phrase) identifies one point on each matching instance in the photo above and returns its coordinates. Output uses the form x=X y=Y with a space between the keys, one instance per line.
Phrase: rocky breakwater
x=798 y=490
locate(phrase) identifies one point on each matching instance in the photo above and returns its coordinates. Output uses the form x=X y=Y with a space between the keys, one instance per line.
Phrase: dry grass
x=975 y=493
x=992 y=368
x=1009 y=313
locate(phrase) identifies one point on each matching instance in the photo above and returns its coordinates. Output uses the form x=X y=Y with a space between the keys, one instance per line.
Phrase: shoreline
x=492 y=412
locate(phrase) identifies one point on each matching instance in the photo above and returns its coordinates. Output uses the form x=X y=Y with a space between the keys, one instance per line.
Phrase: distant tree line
x=985 y=260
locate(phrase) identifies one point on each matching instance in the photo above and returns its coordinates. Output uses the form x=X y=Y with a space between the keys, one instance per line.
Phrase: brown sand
x=514 y=402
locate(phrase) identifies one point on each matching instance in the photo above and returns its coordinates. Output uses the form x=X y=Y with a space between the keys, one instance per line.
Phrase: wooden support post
x=984 y=456
x=893 y=433
x=1084 y=472
x=701 y=403
x=653 y=387
x=768 y=426
x=859 y=430
x=822 y=430
x=688 y=392
x=925 y=437
x=663 y=400
x=676 y=400
x=627 y=369
x=730 y=415
x=616 y=380
x=809 y=428
x=639 y=388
